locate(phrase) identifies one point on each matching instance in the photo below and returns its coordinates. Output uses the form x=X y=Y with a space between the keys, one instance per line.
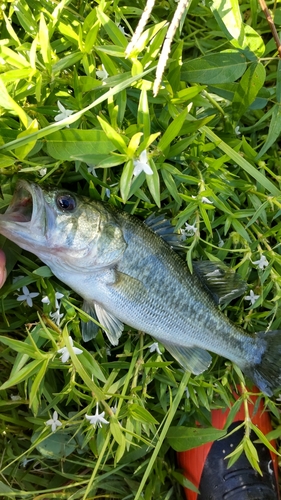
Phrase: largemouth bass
x=127 y=273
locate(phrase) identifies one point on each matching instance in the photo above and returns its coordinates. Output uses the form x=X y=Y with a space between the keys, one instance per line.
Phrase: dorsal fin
x=220 y=280
x=163 y=227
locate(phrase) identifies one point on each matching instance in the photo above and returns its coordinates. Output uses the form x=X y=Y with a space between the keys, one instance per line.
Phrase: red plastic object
x=193 y=461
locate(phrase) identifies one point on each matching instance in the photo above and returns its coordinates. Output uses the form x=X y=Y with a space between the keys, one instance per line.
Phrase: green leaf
x=225 y=67
x=6 y=491
x=23 y=151
x=120 y=84
x=116 y=431
x=247 y=90
x=57 y=445
x=185 y=438
x=97 y=393
x=143 y=114
x=273 y=131
x=35 y=387
x=114 y=33
x=141 y=414
x=23 y=348
x=45 y=42
x=228 y=16
x=153 y=183
x=7 y=102
x=66 y=62
x=237 y=158
x=91 y=37
x=253 y=40
x=171 y=185
x=113 y=136
x=22 y=375
x=263 y=439
x=77 y=143
x=126 y=179
x=26 y=18
x=240 y=229
x=252 y=455
x=172 y=131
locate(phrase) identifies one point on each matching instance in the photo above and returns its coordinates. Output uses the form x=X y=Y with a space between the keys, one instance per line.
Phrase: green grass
x=211 y=132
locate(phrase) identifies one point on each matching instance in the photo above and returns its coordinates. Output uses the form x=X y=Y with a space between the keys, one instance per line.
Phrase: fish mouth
x=25 y=216
x=21 y=206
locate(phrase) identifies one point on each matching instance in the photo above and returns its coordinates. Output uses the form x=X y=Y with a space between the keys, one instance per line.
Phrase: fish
x=128 y=271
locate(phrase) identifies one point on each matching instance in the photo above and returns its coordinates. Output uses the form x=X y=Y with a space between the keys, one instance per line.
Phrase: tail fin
x=267 y=373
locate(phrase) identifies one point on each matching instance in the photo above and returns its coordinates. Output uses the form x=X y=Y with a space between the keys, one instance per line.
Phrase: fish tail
x=267 y=372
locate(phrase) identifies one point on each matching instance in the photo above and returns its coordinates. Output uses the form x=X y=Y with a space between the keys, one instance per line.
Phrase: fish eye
x=66 y=202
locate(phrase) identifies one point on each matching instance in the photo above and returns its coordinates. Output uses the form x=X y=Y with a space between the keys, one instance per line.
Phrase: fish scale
x=127 y=273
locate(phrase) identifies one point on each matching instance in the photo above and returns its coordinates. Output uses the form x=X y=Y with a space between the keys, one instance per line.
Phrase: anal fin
x=193 y=359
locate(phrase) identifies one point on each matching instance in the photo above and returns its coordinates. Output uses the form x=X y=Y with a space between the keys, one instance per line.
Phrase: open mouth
x=21 y=207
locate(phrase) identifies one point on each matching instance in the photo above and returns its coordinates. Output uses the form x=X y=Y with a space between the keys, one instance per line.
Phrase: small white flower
x=206 y=200
x=188 y=230
x=91 y=169
x=25 y=461
x=46 y=300
x=114 y=408
x=56 y=316
x=220 y=242
x=155 y=347
x=102 y=73
x=97 y=418
x=65 y=355
x=54 y=422
x=27 y=296
x=237 y=130
x=15 y=397
x=262 y=263
x=252 y=297
x=58 y=296
x=122 y=30
x=42 y=171
x=142 y=165
x=107 y=192
x=64 y=113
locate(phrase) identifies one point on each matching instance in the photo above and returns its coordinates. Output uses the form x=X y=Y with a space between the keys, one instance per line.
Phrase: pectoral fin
x=220 y=280
x=113 y=327
x=89 y=328
x=193 y=359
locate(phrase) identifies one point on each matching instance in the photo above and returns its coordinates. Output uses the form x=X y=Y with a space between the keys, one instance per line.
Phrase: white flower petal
x=77 y=351
x=46 y=300
x=155 y=348
x=206 y=200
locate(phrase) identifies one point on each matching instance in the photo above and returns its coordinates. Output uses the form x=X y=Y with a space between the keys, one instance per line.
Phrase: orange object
x=206 y=468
